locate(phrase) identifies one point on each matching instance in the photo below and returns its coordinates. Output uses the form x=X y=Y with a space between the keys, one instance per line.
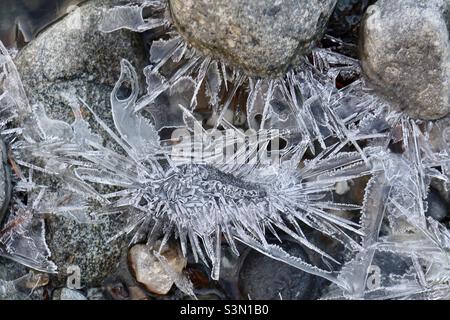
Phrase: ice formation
x=25 y=285
x=23 y=236
x=332 y=135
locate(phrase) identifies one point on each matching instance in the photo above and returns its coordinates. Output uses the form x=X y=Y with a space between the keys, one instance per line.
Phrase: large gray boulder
x=406 y=54
x=262 y=37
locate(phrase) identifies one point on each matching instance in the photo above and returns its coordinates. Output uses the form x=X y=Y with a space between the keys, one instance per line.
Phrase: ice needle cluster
x=332 y=136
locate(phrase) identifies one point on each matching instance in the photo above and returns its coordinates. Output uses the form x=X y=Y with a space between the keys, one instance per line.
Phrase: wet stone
x=149 y=271
x=262 y=37
x=84 y=246
x=116 y=290
x=263 y=278
x=406 y=54
x=121 y=284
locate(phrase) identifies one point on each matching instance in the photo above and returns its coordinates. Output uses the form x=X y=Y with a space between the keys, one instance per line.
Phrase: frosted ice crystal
x=390 y=248
x=25 y=284
x=183 y=283
x=196 y=202
x=132 y=17
x=397 y=232
x=23 y=235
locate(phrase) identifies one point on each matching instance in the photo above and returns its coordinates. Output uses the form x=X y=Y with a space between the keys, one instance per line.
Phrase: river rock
x=262 y=37
x=148 y=269
x=406 y=54
x=84 y=246
x=263 y=278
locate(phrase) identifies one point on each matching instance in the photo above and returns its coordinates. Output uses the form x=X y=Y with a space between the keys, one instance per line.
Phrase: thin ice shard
x=132 y=17
x=23 y=240
x=137 y=131
x=412 y=241
x=22 y=237
x=11 y=84
x=184 y=284
x=25 y=285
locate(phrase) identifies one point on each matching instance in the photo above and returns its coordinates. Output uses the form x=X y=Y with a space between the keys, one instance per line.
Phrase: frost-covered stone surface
x=406 y=53
x=349 y=201
x=262 y=37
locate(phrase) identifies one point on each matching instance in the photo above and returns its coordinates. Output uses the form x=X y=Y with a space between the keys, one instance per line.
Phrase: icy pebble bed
x=146 y=156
